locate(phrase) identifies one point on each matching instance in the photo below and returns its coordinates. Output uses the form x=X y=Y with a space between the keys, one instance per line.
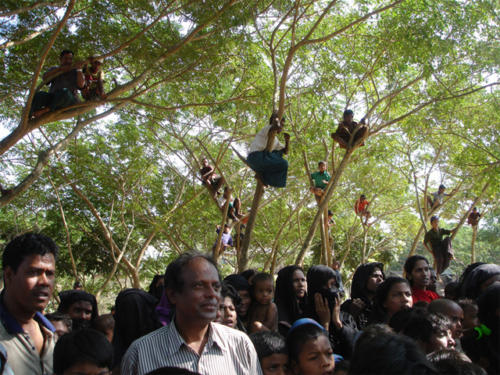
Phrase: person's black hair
x=60 y=317
x=360 y=279
x=421 y=325
x=452 y=362
x=155 y=289
x=248 y=274
x=330 y=213
x=433 y=218
x=65 y=52
x=410 y=264
x=77 y=284
x=268 y=343
x=238 y=282
x=83 y=346
x=104 y=323
x=362 y=196
x=348 y=112
x=274 y=116
x=400 y=319
x=373 y=331
x=172 y=371
x=299 y=336
x=25 y=245
x=451 y=290
x=473 y=282
x=442 y=186
x=174 y=279
x=388 y=354
x=384 y=288
x=228 y=290
x=321 y=162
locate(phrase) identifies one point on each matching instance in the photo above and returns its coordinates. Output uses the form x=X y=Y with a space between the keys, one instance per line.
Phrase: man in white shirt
x=270 y=167
x=192 y=341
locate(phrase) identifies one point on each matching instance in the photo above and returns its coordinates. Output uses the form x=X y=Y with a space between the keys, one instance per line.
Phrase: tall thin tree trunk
x=473 y=245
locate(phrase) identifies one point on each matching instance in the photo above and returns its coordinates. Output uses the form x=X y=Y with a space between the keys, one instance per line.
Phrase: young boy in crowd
x=263 y=313
x=272 y=352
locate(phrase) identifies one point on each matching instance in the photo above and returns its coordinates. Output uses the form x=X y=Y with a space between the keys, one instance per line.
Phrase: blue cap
x=304 y=321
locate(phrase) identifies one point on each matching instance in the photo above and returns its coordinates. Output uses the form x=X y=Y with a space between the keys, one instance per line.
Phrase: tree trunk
x=324 y=204
x=473 y=244
x=415 y=240
x=243 y=254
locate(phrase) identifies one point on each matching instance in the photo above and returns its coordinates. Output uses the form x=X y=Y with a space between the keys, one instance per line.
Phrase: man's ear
x=8 y=274
x=171 y=295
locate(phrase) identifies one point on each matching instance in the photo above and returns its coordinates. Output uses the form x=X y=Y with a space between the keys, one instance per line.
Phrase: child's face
x=322 y=167
x=275 y=364
x=316 y=358
x=470 y=317
x=264 y=292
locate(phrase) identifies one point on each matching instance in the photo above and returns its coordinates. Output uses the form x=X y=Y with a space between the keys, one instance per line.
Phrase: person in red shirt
x=418 y=273
x=361 y=208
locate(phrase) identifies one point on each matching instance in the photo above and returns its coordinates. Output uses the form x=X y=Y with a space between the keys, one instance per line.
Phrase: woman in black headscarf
x=77 y=303
x=135 y=316
x=478 y=279
x=364 y=284
x=325 y=292
x=290 y=296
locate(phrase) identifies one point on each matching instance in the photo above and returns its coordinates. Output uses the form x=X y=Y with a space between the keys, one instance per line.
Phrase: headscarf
x=360 y=278
x=69 y=297
x=317 y=279
x=289 y=309
x=135 y=317
x=471 y=287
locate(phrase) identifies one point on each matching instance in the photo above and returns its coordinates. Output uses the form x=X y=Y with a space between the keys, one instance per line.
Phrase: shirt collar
x=214 y=338
x=11 y=324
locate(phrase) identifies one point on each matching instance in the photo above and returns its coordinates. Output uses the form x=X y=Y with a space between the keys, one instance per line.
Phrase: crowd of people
x=193 y=321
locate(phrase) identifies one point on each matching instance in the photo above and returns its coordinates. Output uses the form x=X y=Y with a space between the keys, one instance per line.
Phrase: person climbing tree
x=440 y=248
x=270 y=167
x=64 y=80
x=94 y=87
x=474 y=216
x=226 y=239
x=361 y=208
x=348 y=128
x=436 y=199
x=320 y=180
x=209 y=178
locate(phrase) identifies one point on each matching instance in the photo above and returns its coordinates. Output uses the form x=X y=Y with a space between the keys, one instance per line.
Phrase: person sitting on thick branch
x=439 y=248
x=65 y=81
x=270 y=167
x=209 y=178
x=320 y=179
x=436 y=199
x=349 y=128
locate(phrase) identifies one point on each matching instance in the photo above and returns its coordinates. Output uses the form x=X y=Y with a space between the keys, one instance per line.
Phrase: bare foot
x=40 y=112
x=259 y=178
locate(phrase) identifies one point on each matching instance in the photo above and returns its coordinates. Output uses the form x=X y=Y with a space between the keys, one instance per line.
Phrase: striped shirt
x=227 y=351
